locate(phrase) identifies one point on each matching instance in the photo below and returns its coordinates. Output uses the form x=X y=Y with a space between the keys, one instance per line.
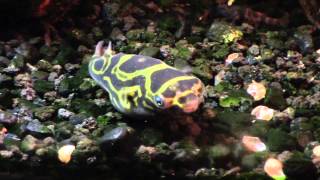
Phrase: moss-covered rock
x=67 y=85
x=236 y=122
x=18 y=61
x=223 y=33
x=39 y=75
x=5 y=80
x=44 y=113
x=202 y=70
x=259 y=129
x=37 y=129
x=251 y=161
x=169 y=23
x=87 y=85
x=150 y=51
x=6 y=98
x=275 y=98
x=63 y=130
x=235 y=99
x=151 y=137
x=220 y=51
x=218 y=151
x=44 y=65
x=29 y=144
x=43 y=86
x=300 y=167
x=275 y=39
x=65 y=54
x=279 y=140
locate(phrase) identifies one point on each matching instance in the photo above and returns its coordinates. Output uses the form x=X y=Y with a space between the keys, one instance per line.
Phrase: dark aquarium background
x=259 y=62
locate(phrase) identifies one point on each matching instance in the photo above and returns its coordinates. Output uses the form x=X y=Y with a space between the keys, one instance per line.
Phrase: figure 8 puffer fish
x=142 y=85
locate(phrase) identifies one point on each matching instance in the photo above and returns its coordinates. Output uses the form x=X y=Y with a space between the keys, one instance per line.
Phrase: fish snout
x=192 y=104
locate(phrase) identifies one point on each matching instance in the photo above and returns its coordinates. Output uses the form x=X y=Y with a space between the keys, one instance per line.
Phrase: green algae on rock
x=224 y=33
x=150 y=51
x=37 y=129
x=278 y=140
x=250 y=161
x=43 y=86
x=299 y=166
x=45 y=113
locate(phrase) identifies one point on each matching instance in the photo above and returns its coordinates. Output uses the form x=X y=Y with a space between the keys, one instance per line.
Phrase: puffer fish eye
x=159 y=101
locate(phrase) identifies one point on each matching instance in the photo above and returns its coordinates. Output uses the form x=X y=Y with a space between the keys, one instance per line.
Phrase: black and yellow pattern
x=143 y=85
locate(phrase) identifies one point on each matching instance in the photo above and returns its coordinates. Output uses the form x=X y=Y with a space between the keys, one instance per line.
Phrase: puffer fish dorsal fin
x=99 y=51
x=108 y=51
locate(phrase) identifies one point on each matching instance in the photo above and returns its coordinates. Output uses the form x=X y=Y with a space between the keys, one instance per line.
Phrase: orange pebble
x=274 y=168
x=253 y=144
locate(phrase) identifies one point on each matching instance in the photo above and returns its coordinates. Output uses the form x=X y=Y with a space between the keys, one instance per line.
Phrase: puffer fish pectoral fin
x=186 y=69
x=183 y=66
x=129 y=99
x=99 y=51
x=132 y=98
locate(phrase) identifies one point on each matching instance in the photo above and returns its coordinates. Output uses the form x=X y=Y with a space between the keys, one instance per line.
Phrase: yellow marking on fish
x=106 y=64
x=122 y=60
x=146 y=105
x=142 y=72
x=147 y=72
x=172 y=81
x=128 y=96
x=124 y=92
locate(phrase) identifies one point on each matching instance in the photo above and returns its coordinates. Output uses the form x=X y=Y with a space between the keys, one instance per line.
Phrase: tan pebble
x=257 y=90
x=65 y=152
x=316 y=151
x=263 y=113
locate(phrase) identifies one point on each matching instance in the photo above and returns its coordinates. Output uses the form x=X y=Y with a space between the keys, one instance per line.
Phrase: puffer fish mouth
x=192 y=105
